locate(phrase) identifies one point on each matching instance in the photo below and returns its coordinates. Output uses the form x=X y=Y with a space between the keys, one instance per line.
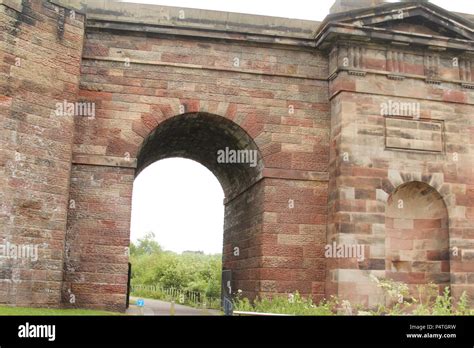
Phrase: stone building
x=362 y=126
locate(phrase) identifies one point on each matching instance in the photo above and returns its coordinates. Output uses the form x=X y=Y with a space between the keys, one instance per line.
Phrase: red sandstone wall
x=361 y=184
x=40 y=54
x=278 y=96
x=242 y=250
x=98 y=236
x=294 y=227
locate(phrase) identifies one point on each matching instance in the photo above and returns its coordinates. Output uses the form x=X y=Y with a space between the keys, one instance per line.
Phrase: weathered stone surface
x=389 y=146
x=373 y=109
x=39 y=67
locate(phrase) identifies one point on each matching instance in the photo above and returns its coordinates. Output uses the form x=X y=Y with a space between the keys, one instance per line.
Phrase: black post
x=128 y=284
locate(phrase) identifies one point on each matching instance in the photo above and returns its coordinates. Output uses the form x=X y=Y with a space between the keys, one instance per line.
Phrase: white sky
x=180 y=200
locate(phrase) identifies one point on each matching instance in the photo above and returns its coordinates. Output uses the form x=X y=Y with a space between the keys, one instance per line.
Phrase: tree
x=146 y=245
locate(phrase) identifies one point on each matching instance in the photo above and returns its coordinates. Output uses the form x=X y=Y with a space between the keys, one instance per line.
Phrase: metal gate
x=227 y=303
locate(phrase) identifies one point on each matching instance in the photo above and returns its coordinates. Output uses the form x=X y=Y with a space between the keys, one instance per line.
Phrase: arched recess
x=417 y=236
x=201 y=136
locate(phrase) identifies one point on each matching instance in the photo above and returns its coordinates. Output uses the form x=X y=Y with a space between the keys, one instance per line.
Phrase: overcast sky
x=180 y=200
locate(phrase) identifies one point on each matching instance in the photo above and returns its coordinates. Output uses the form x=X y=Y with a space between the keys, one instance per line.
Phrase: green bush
x=428 y=302
x=189 y=271
x=293 y=304
x=397 y=302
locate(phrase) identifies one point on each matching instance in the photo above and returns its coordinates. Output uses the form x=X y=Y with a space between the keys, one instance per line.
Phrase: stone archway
x=233 y=157
x=417 y=236
x=201 y=137
x=98 y=226
x=204 y=137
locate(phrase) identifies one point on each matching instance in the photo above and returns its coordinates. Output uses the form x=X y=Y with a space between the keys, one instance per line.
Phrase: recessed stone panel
x=410 y=134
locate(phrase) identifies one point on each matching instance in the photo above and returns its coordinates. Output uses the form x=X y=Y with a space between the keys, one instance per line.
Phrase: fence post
x=172 y=309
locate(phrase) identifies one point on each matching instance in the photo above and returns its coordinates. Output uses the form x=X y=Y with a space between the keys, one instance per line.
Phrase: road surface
x=158 y=307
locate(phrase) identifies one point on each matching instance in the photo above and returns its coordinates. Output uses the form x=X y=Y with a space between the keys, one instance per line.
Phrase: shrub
x=397 y=302
x=189 y=271
x=293 y=304
x=429 y=301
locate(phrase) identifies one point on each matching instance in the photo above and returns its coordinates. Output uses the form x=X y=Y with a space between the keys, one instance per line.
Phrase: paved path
x=158 y=307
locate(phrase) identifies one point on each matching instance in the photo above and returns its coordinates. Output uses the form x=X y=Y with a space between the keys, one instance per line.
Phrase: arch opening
x=417 y=236
x=217 y=143
x=233 y=157
x=177 y=237
x=171 y=189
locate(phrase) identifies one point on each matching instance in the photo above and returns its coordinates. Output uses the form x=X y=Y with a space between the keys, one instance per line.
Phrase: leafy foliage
x=189 y=271
x=428 y=301
x=398 y=302
x=293 y=304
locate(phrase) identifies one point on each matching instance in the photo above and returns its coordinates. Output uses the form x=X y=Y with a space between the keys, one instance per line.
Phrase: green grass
x=50 y=311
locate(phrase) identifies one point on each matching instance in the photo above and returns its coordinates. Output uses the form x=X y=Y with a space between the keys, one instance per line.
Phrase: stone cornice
x=391 y=11
x=399 y=77
x=375 y=25
x=103 y=24
x=168 y=20
x=333 y=32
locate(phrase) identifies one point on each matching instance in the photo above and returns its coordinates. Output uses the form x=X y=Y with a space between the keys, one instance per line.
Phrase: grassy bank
x=50 y=311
